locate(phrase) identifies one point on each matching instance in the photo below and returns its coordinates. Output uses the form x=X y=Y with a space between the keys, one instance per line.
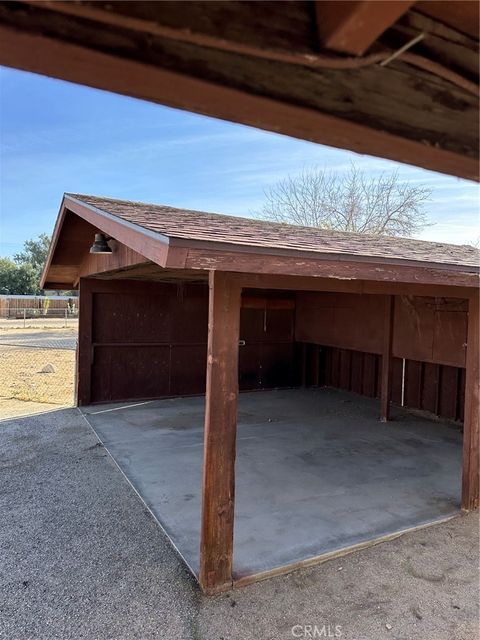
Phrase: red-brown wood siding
x=436 y=388
x=149 y=340
x=148 y=346
x=425 y=328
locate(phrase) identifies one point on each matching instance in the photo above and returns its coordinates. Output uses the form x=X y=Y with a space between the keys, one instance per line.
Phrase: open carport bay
x=316 y=472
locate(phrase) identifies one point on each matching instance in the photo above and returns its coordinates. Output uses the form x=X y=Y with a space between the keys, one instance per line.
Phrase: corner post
x=216 y=544
x=84 y=349
x=471 y=458
x=387 y=358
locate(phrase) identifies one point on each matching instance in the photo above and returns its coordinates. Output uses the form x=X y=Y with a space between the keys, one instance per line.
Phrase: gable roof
x=198 y=226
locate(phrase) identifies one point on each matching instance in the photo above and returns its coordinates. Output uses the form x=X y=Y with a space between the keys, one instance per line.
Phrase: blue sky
x=58 y=137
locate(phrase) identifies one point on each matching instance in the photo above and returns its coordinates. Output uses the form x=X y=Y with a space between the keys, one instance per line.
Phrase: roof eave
x=152 y=245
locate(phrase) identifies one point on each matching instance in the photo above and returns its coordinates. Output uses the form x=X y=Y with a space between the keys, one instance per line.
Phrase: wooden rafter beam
x=353 y=26
x=463 y=16
x=267 y=74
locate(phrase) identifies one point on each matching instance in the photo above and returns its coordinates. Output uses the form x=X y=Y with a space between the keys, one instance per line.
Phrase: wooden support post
x=387 y=359
x=84 y=351
x=471 y=459
x=216 y=545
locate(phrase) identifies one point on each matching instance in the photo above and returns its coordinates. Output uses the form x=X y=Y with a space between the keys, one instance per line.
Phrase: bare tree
x=348 y=202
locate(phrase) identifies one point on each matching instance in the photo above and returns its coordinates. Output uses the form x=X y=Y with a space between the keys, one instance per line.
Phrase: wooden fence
x=14 y=306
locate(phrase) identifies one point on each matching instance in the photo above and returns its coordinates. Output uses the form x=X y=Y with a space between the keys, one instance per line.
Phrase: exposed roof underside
x=193 y=242
x=250 y=233
x=397 y=79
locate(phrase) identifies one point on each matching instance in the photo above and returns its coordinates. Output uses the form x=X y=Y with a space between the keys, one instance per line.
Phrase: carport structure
x=286 y=307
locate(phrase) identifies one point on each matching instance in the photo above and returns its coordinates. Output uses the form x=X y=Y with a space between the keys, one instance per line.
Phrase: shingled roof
x=223 y=229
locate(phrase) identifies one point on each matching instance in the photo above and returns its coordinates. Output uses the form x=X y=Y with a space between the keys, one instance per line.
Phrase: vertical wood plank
x=84 y=358
x=387 y=359
x=304 y=365
x=216 y=544
x=316 y=365
x=471 y=460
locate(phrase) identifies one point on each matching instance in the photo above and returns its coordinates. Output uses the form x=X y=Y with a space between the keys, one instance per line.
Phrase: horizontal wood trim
x=59 y=286
x=147 y=344
x=252 y=302
x=326 y=268
x=310 y=283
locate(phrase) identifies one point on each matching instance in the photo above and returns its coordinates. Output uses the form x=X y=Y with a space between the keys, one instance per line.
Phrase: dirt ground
x=33 y=377
x=8 y=324
x=14 y=408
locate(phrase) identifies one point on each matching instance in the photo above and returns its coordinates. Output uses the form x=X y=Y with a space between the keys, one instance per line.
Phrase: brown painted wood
x=431 y=329
x=471 y=425
x=84 y=359
x=316 y=365
x=343 y=320
x=459 y=15
x=353 y=26
x=121 y=257
x=303 y=365
x=308 y=283
x=150 y=245
x=407 y=132
x=329 y=266
x=386 y=385
x=74 y=234
x=216 y=545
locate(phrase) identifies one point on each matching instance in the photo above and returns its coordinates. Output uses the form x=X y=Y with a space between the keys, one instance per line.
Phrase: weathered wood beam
x=304 y=103
x=463 y=16
x=353 y=26
x=386 y=387
x=334 y=269
x=307 y=283
x=216 y=546
x=471 y=424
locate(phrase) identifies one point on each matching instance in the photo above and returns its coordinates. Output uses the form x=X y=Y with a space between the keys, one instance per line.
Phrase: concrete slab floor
x=315 y=471
x=80 y=557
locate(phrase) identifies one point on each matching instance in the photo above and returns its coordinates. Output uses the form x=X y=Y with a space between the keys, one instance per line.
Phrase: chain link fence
x=36 y=368
x=23 y=317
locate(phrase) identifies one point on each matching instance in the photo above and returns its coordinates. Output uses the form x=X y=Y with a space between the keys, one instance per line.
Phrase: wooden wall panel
x=450 y=333
x=397 y=370
x=448 y=394
x=130 y=372
x=438 y=389
x=430 y=329
x=343 y=320
x=426 y=329
x=267 y=349
x=150 y=340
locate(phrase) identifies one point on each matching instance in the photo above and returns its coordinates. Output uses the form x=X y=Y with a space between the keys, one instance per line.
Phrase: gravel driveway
x=80 y=557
